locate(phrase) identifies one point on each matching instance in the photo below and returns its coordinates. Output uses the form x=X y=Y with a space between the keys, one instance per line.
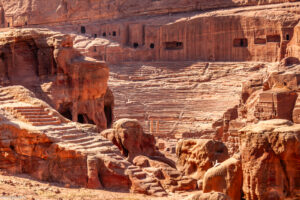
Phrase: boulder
x=196 y=156
x=225 y=178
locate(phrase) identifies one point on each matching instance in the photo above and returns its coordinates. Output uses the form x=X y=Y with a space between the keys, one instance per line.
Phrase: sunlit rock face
x=46 y=63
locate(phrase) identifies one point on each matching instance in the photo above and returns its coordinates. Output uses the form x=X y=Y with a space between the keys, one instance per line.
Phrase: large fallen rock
x=225 y=178
x=196 y=156
x=130 y=138
x=270 y=153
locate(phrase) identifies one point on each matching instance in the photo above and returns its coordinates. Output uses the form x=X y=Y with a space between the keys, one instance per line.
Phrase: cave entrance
x=108 y=115
x=83 y=31
x=67 y=114
x=84 y=119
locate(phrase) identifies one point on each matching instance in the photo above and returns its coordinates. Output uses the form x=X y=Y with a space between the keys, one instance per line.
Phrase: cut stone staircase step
x=45 y=123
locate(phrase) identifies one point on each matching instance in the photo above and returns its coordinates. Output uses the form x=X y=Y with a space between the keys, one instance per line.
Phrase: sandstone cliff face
x=270 y=160
x=46 y=63
x=243 y=33
x=20 y=13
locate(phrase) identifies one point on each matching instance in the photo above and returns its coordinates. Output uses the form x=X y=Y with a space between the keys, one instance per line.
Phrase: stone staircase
x=94 y=145
x=36 y=115
x=5 y=97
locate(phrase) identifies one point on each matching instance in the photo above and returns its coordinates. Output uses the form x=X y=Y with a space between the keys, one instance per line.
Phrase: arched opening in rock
x=67 y=114
x=12 y=147
x=65 y=110
x=83 y=31
x=84 y=119
x=135 y=45
x=108 y=115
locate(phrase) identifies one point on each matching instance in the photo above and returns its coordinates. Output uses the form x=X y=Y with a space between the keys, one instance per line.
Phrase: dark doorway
x=108 y=115
x=287 y=37
x=95 y=35
x=135 y=45
x=67 y=114
x=8 y=25
x=80 y=118
x=84 y=119
x=152 y=46
x=104 y=34
x=83 y=31
x=114 y=33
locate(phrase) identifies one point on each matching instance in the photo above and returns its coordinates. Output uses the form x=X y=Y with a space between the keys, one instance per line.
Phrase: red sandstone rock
x=271 y=160
x=129 y=136
x=75 y=85
x=196 y=156
x=225 y=177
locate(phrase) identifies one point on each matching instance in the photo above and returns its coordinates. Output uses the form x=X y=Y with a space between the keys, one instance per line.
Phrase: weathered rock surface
x=130 y=138
x=270 y=152
x=46 y=63
x=25 y=12
x=225 y=177
x=35 y=139
x=196 y=156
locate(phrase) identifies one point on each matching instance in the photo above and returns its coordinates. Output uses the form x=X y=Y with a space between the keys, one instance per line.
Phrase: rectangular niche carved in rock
x=173 y=45
x=240 y=42
x=273 y=38
x=260 y=41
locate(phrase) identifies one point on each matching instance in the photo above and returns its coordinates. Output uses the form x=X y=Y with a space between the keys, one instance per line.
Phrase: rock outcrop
x=47 y=64
x=35 y=139
x=226 y=178
x=270 y=152
x=129 y=137
x=196 y=156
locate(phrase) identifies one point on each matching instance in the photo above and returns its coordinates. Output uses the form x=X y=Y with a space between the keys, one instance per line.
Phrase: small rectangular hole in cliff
x=240 y=42
x=260 y=41
x=104 y=34
x=114 y=33
x=273 y=38
x=82 y=29
x=8 y=24
x=135 y=45
x=287 y=37
x=173 y=45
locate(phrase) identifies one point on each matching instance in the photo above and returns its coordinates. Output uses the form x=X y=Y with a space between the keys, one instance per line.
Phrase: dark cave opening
x=108 y=115
x=84 y=119
x=67 y=114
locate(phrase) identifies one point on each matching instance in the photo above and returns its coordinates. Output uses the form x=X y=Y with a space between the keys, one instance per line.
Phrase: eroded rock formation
x=270 y=160
x=46 y=63
x=196 y=156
